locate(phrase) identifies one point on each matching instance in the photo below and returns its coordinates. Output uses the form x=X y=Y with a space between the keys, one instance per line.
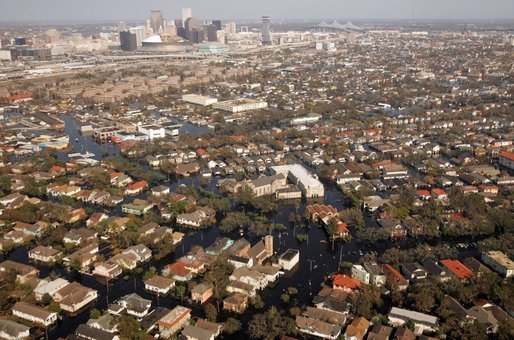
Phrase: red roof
x=459 y=217
x=438 y=192
x=137 y=185
x=424 y=193
x=16 y=97
x=56 y=168
x=343 y=228
x=202 y=152
x=238 y=137
x=458 y=269
x=179 y=268
x=393 y=275
x=115 y=175
x=345 y=281
x=508 y=155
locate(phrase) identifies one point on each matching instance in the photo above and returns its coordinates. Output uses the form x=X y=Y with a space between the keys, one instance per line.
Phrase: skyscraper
x=140 y=32
x=266 y=30
x=128 y=41
x=217 y=23
x=212 y=32
x=186 y=14
x=191 y=24
x=156 y=21
x=231 y=28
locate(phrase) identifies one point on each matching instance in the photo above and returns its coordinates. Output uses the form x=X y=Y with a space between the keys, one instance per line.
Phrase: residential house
x=136 y=188
x=236 y=303
x=159 y=284
x=359 y=273
x=201 y=293
x=13 y=331
x=317 y=328
x=499 y=262
x=393 y=277
x=135 y=305
x=377 y=276
x=357 y=329
x=108 y=270
x=49 y=287
x=457 y=269
x=422 y=322
x=380 y=332
x=73 y=297
x=252 y=277
x=44 y=254
x=23 y=272
x=88 y=332
x=345 y=283
x=34 y=314
x=413 y=271
x=173 y=321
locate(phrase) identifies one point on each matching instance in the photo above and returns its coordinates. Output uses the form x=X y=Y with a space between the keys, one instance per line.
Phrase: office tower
x=189 y=25
x=20 y=41
x=186 y=14
x=140 y=32
x=128 y=41
x=231 y=27
x=196 y=36
x=266 y=30
x=217 y=23
x=212 y=32
x=156 y=21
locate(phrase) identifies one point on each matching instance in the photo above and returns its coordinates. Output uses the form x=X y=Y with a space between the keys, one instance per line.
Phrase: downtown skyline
x=131 y=10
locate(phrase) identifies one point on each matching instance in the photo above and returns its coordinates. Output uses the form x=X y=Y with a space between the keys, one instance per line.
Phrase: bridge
x=336 y=27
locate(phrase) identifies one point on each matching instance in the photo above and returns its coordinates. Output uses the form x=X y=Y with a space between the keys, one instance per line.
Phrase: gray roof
x=12 y=328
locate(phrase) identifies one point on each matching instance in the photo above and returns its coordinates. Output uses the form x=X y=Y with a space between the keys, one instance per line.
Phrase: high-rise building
x=140 y=32
x=186 y=14
x=157 y=21
x=196 y=36
x=231 y=28
x=212 y=32
x=191 y=24
x=217 y=23
x=266 y=30
x=128 y=41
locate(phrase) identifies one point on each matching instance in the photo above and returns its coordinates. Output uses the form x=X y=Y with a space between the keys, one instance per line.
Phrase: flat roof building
x=199 y=100
x=240 y=105
x=500 y=262
x=310 y=186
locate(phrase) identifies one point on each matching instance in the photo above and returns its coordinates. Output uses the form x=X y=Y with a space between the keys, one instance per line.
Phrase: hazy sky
x=85 y=10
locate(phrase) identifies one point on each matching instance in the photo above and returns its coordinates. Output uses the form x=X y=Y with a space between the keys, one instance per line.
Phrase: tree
x=128 y=328
x=95 y=313
x=211 y=313
x=179 y=291
x=270 y=325
x=232 y=326
x=218 y=276
x=285 y=298
x=46 y=299
x=333 y=229
x=151 y=272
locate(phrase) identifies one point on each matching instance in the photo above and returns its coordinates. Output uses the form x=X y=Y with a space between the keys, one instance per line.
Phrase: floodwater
x=317 y=259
